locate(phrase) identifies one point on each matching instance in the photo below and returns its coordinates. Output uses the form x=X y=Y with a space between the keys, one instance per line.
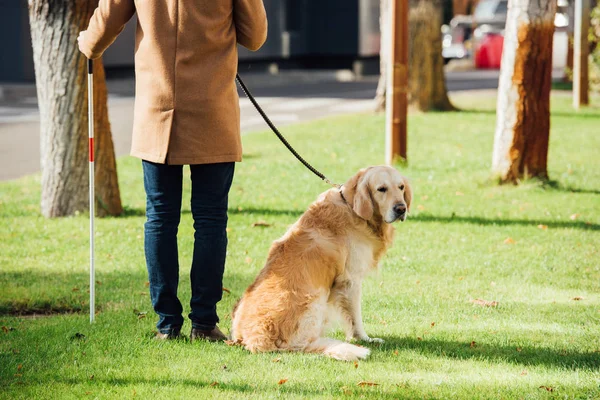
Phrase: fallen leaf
x=18 y=375
x=213 y=384
x=355 y=364
x=574 y=217
x=261 y=223
x=224 y=366
x=276 y=360
x=420 y=207
x=141 y=315
x=395 y=352
x=419 y=338
x=19 y=367
x=366 y=383
x=509 y=240
x=460 y=194
x=519 y=349
x=578 y=298
x=484 y=303
x=524 y=372
x=345 y=390
x=432 y=324
x=473 y=344
x=548 y=388
x=543 y=227
x=248 y=260
x=75 y=289
x=98 y=283
x=147 y=284
x=282 y=381
x=226 y=290
x=91 y=377
x=5 y=329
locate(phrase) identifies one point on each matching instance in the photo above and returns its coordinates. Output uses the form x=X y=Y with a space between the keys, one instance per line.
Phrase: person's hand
x=81 y=39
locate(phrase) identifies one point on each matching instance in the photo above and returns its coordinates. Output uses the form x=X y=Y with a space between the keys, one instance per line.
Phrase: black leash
x=280 y=136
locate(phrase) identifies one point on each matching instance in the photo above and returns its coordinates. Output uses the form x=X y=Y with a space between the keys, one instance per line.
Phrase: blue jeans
x=210 y=190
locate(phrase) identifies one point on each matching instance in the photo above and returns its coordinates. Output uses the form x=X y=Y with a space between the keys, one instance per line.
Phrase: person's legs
x=210 y=190
x=163 y=184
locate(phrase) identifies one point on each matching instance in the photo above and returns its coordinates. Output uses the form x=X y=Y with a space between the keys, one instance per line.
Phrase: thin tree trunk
x=426 y=68
x=61 y=82
x=384 y=50
x=427 y=81
x=523 y=109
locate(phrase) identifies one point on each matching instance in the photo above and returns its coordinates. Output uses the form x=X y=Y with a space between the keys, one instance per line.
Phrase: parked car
x=481 y=36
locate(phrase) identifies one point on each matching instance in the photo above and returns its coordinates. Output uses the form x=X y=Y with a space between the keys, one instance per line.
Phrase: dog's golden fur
x=319 y=264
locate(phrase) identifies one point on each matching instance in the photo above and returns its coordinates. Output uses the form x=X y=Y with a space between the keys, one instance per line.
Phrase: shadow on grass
x=526 y=356
x=556 y=186
x=138 y=212
x=422 y=217
x=219 y=387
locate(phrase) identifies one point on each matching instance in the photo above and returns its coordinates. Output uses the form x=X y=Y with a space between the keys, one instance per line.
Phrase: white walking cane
x=92 y=197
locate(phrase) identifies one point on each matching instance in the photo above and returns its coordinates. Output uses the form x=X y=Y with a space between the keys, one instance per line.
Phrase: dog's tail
x=338 y=349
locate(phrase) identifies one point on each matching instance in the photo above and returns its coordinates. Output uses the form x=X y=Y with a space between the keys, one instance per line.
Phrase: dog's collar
x=342 y=194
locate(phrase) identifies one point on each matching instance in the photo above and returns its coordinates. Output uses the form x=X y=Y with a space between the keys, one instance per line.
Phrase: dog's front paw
x=366 y=338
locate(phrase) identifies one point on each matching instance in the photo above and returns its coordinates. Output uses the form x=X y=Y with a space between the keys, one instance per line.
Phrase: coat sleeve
x=108 y=21
x=250 y=19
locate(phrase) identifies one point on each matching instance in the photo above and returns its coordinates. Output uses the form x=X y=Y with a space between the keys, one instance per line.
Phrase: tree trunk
x=426 y=67
x=427 y=82
x=523 y=109
x=384 y=49
x=61 y=81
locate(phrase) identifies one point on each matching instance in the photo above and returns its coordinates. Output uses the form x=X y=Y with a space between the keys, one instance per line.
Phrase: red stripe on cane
x=91 y=149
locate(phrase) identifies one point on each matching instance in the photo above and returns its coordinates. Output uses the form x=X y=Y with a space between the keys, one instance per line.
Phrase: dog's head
x=379 y=191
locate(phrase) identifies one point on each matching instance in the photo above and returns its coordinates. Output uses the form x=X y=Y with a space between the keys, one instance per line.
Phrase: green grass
x=453 y=248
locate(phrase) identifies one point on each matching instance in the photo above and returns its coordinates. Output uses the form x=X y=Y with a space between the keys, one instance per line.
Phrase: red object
x=91 y=149
x=489 y=53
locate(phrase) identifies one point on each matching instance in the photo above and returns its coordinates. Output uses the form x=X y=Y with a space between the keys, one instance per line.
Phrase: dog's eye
x=382 y=189
x=401 y=187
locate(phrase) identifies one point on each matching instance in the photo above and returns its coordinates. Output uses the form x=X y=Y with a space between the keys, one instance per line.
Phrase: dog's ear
x=356 y=192
x=363 y=205
x=407 y=193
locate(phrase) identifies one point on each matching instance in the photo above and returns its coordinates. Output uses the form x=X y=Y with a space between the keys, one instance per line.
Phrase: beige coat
x=186 y=103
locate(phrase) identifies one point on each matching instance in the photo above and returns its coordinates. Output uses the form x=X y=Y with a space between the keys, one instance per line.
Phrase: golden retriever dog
x=318 y=266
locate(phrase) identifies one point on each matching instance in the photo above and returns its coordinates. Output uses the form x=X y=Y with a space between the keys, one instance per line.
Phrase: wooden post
x=397 y=89
x=580 y=54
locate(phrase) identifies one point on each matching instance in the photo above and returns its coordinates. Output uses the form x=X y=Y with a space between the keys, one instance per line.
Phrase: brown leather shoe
x=214 y=335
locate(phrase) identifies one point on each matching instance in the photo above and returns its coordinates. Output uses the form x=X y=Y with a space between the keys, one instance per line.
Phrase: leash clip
x=335 y=185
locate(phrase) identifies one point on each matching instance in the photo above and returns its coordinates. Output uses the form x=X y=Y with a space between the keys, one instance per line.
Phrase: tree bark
x=523 y=108
x=427 y=81
x=61 y=81
x=384 y=49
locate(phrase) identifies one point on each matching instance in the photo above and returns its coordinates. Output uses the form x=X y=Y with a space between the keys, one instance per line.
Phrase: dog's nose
x=400 y=208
